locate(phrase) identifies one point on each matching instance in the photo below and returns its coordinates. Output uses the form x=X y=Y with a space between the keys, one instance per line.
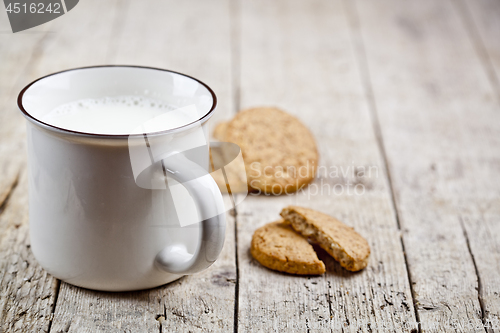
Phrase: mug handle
x=203 y=189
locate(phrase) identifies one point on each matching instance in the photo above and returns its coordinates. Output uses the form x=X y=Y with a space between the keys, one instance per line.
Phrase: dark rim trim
x=114 y=136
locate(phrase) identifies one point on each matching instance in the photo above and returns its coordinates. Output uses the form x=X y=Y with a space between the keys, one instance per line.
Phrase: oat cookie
x=277 y=246
x=341 y=241
x=279 y=151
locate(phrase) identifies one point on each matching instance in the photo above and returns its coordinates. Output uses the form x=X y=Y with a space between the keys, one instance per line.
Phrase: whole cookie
x=279 y=151
x=344 y=244
x=278 y=247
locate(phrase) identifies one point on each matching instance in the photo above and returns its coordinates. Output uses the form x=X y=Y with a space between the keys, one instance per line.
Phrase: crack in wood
x=184 y=318
x=235 y=49
x=8 y=195
x=53 y=307
x=162 y=317
x=329 y=300
x=237 y=281
x=479 y=287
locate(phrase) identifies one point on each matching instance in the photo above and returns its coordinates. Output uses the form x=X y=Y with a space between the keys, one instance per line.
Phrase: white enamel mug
x=92 y=223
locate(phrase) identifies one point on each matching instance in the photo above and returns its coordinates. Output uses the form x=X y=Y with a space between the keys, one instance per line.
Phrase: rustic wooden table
x=410 y=89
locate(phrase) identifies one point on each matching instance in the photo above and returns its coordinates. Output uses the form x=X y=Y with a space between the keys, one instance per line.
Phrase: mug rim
x=54 y=128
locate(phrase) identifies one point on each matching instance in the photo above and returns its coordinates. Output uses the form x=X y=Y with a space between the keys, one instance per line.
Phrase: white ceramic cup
x=91 y=224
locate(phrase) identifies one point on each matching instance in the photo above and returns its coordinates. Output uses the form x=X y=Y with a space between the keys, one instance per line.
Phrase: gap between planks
x=235 y=49
x=464 y=46
x=53 y=307
x=481 y=304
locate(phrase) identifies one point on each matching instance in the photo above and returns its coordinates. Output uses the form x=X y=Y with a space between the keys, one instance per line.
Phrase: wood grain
x=482 y=21
x=299 y=56
x=27 y=293
x=481 y=220
x=410 y=85
x=438 y=115
x=18 y=54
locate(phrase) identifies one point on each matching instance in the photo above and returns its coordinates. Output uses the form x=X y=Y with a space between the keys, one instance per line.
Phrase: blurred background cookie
x=280 y=153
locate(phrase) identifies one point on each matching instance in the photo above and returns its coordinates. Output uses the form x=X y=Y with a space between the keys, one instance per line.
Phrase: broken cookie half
x=277 y=246
x=344 y=244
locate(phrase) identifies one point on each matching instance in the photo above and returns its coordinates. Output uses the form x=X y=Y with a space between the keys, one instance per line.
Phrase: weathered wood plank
x=169 y=35
x=439 y=118
x=481 y=220
x=27 y=293
x=299 y=56
x=482 y=21
x=17 y=57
